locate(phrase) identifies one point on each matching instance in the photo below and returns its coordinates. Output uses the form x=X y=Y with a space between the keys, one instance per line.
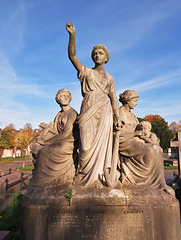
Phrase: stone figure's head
x=100 y=46
x=63 y=97
x=144 y=126
x=129 y=97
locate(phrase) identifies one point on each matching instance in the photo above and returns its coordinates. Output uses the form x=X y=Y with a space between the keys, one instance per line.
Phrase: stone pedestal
x=105 y=213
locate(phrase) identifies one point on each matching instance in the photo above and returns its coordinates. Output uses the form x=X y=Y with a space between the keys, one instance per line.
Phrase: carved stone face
x=132 y=103
x=146 y=130
x=99 y=56
x=64 y=98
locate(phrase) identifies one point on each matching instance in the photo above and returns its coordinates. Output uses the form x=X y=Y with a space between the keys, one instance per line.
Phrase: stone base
x=107 y=214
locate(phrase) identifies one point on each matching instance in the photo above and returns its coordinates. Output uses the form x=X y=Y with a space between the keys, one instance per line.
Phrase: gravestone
x=5 y=198
x=176 y=142
x=27 y=151
x=7 y=153
x=18 y=153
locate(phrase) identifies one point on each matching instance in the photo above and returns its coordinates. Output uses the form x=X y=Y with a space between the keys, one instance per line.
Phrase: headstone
x=169 y=152
x=7 y=153
x=18 y=153
x=28 y=151
x=176 y=142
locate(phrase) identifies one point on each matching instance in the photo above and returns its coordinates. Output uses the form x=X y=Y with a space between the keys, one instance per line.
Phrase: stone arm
x=71 y=47
x=66 y=132
x=146 y=139
x=114 y=101
x=151 y=139
x=127 y=131
x=124 y=135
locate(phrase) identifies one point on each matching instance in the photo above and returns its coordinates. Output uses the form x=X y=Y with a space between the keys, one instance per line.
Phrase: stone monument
x=117 y=189
x=176 y=142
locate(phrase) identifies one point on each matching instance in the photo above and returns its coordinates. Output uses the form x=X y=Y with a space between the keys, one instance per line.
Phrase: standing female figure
x=141 y=163
x=96 y=114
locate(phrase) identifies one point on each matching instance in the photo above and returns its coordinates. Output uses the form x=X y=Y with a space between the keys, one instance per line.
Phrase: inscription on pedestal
x=94 y=223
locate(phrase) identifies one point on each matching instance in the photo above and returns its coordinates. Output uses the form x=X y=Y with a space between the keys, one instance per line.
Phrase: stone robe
x=95 y=125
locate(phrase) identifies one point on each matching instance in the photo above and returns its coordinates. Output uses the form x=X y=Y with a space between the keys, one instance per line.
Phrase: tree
x=12 y=131
x=161 y=129
x=12 y=138
x=5 y=141
x=175 y=127
x=24 y=136
x=8 y=137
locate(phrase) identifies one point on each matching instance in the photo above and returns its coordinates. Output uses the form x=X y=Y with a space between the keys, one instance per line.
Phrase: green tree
x=6 y=138
x=161 y=129
x=140 y=119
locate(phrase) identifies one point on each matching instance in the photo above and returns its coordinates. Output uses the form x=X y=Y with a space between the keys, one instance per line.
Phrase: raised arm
x=71 y=47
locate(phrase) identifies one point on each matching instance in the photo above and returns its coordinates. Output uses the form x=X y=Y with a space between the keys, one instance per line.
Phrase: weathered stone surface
x=5 y=200
x=4 y=235
x=141 y=162
x=105 y=213
x=96 y=115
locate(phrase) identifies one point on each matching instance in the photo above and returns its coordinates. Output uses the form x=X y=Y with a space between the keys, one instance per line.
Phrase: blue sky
x=143 y=39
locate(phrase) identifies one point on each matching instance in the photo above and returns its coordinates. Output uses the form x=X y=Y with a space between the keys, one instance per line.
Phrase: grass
x=26 y=168
x=168 y=166
x=10 y=218
x=10 y=159
x=69 y=196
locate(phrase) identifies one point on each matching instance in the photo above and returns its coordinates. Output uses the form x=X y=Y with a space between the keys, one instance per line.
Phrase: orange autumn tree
x=161 y=129
x=25 y=135
x=152 y=118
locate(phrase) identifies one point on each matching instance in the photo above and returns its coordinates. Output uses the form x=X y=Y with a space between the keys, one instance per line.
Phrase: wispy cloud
x=141 y=37
x=160 y=81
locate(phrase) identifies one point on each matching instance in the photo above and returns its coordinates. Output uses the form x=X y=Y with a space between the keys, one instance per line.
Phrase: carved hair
x=61 y=91
x=127 y=95
x=142 y=125
x=100 y=46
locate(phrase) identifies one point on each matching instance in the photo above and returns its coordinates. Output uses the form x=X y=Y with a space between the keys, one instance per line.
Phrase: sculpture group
x=102 y=146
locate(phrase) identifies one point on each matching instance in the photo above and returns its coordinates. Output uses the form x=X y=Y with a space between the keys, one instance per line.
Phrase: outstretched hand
x=70 y=28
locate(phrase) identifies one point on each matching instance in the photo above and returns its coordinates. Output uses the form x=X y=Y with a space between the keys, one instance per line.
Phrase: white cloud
x=157 y=82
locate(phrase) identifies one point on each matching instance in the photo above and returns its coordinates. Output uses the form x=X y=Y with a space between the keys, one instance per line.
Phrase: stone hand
x=70 y=28
x=139 y=133
x=118 y=125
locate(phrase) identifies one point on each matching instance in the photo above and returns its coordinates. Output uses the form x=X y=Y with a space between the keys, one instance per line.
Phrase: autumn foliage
x=175 y=127
x=152 y=118
x=12 y=138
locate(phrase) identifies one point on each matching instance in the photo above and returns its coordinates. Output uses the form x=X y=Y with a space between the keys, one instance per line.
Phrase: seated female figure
x=55 y=157
x=141 y=163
